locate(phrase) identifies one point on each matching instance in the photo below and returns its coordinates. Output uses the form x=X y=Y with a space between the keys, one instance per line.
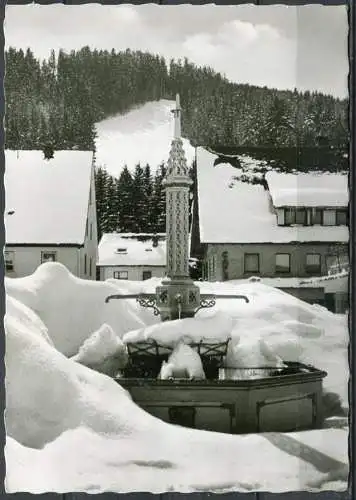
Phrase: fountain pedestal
x=177 y=299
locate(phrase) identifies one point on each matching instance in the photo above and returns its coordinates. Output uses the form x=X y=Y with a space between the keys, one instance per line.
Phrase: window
x=86 y=228
x=146 y=275
x=313 y=263
x=90 y=266
x=282 y=263
x=300 y=216
x=280 y=217
x=121 y=250
x=91 y=230
x=9 y=261
x=295 y=216
x=289 y=216
x=48 y=257
x=317 y=217
x=85 y=264
x=341 y=217
x=90 y=200
x=121 y=275
x=329 y=217
x=252 y=263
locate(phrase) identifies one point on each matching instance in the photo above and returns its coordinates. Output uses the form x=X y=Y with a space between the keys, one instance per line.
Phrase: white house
x=288 y=227
x=50 y=212
x=131 y=256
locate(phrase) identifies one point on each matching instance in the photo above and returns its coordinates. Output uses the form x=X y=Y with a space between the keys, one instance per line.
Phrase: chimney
x=155 y=241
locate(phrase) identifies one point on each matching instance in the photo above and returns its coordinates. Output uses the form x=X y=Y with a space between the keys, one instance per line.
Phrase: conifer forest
x=57 y=102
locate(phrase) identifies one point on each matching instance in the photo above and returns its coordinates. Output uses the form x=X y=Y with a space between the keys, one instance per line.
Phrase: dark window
x=91 y=230
x=225 y=266
x=48 y=257
x=282 y=263
x=252 y=263
x=121 y=275
x=289 y=216
x=9 y=261
x=182 y=415
x=90 y=266
x=313 y=263
x=300 y=216
x=85 y=264
x=341 y=217
x=146 y=275
x=317 y=217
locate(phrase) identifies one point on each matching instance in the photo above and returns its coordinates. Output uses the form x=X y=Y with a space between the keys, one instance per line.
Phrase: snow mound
x=70 y=429
x=103 y=351
x=184 y=362
x=70 y=307
x=48 y=394
x=210 y=328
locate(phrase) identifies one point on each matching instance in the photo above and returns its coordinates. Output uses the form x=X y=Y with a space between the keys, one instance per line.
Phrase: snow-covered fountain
x=205 y=392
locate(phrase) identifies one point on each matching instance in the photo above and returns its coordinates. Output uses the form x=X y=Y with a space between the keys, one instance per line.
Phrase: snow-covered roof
x=46 y=200
x=127 y=250
x=231 y=211
x=308 y=190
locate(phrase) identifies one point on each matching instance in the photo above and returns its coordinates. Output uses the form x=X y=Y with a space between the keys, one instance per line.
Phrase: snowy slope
x=142 y=135
x=72 y=429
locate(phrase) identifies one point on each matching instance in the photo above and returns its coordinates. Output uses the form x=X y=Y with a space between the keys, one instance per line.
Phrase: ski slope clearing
x=143 y=135
x=70 y=428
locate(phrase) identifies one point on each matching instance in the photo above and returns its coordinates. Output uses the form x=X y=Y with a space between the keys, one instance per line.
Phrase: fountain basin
x=279 y=402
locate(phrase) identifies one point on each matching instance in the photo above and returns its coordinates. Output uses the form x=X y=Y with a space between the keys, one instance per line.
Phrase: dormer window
x=148 y=249
x=295 y=216
x=121 y=250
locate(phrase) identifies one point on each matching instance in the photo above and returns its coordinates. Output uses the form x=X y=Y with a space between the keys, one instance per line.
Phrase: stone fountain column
x=178 y=297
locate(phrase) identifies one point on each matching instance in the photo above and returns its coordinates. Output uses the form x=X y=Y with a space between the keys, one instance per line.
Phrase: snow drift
x=72 y=308
x=70 y=428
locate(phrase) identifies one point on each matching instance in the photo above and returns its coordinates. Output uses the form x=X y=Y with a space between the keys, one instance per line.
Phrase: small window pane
x=146 y=275
x=329 y=218
x=300 y=216
x=341 y=217
x=289 y=216
x=48 y=257
x=317 y=217
x=282 y=263
x=313 y=262
x=121 y=275
x=252 y=263
x=9 y=261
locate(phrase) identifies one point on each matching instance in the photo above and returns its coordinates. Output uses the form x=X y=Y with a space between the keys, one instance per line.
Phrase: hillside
x=141 y=136
x=59 y=100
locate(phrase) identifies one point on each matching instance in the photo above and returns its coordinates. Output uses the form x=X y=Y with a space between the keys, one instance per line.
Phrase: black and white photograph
x=176 y=251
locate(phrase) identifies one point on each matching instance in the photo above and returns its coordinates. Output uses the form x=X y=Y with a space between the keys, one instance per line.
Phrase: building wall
x=213 y=260
x=89 y=253
x=135 y=273
x=27 y=259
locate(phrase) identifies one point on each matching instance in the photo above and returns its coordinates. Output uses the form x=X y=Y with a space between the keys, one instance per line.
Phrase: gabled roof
x=308 y=190
x=126 y=249
x=46 y=201
x=232 y=211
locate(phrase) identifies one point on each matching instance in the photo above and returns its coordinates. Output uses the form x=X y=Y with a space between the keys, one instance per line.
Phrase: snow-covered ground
x=143 y=135
x=70 y=428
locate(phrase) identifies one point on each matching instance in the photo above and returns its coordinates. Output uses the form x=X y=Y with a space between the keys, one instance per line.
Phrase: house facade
x=131 y=256
x=292 y=226
x=50 y=213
